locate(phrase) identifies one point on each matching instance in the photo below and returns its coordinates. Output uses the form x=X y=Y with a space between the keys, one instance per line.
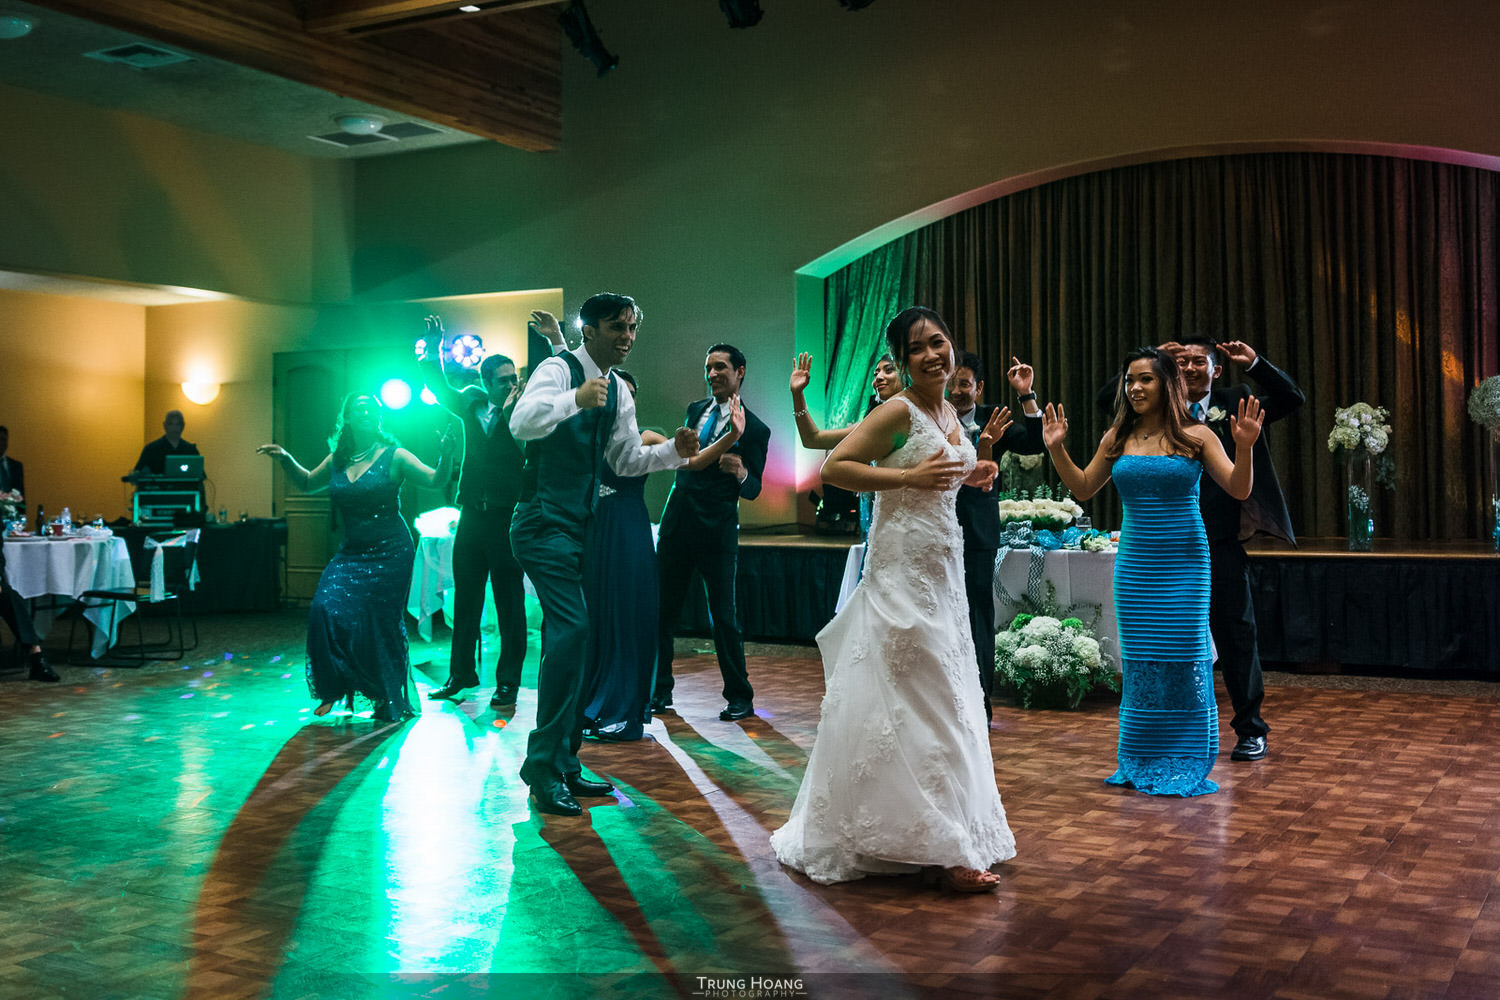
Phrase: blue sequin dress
x=356 y=633
x=1169 y=725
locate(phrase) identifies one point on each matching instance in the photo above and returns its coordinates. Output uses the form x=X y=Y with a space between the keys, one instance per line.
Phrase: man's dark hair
x=1201 y=340
x=736 y=356
x=606 y=306
x=970 y=360
x=490 y=363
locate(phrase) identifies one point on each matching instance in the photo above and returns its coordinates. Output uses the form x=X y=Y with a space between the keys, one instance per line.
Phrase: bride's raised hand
x=935 y=472
x=1054 y=425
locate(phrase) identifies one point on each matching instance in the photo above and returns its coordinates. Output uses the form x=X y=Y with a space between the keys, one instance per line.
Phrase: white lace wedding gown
x=900 y=775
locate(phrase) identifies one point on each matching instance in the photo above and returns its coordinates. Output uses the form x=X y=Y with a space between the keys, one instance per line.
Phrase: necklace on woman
x=361 y=456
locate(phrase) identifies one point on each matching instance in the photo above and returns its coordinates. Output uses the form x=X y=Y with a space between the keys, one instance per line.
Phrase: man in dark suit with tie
x=574 y=416
x=700 y=531
x=12 y=475
x=978 y=513
x=1229 y=521
x=487 y=493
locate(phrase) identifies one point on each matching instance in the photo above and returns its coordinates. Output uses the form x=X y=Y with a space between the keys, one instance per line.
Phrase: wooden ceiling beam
x=358 y=17
x=508 y=90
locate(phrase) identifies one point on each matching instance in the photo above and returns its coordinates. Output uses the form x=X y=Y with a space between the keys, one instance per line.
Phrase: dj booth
x=170 y=498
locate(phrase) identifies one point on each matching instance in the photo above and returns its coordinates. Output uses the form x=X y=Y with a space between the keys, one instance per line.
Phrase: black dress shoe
x=584 y=788
x=505 y=696
x=37 y=669
x=660 y=705
x=1249 y=748
x=554 y=798
x=736 y=710
x=452 y=691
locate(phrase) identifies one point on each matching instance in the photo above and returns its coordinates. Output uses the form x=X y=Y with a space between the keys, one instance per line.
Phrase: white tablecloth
x=39 y=567
x=432 y=586
x=1077 y=578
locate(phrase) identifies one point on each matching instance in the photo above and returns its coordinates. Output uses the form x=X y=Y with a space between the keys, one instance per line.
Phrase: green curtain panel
x=1366 y=278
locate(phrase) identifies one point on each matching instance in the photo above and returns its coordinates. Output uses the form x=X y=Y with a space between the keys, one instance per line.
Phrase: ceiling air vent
x=409 y=130
x=139 y=55
x=347 y=139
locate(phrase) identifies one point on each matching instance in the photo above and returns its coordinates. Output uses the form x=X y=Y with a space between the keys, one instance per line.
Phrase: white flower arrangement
x=1096 y=541
x=12 y=506
x=1484 y=403
x=1052 y=663
x=1359 y=430
x=1042 y=509
x=1217 y=414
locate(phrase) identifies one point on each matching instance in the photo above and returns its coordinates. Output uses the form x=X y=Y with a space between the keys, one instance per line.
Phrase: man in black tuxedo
x=574 y=415
x=12 y=475
x=487 y=493
x=1229 y=522
x=700 y=530
x=978 y=513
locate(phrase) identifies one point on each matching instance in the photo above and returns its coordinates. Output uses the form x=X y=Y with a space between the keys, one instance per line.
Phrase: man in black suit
x=700 y=530
x=978 y=513
x=487 y=493
x=12 y=475
x=574 y=415
x=1229 y=522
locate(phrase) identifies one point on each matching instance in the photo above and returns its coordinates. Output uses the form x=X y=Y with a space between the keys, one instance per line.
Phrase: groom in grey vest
x=573 y=416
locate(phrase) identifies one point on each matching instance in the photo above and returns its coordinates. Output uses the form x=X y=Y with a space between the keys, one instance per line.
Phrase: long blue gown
x=621 y=591
x=1169 y=725
x=356 y=633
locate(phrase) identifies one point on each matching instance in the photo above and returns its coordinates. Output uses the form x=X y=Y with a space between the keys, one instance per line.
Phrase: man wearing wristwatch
x=700 y=530
x=978 y=510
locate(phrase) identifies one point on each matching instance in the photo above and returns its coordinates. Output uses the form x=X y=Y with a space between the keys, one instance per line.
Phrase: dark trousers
x=1231 y=619
x=482 y=551
x=714 y=555
x=15 y=611
x=552 y=557
x=979 y=586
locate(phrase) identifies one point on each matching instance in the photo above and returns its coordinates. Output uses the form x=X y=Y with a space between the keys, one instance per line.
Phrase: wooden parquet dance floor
x=191 y=831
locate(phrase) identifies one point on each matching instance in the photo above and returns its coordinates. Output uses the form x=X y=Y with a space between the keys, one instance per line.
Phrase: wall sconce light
x=359 y=124
x=201 y=393
x=15 y=26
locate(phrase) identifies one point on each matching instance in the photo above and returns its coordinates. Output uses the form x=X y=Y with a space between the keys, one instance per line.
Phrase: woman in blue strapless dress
x=1156 y=454
x=356 y=635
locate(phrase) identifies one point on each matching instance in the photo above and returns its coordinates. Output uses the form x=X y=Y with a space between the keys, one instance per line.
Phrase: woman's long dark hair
x=1174 y=405
x=341 y=443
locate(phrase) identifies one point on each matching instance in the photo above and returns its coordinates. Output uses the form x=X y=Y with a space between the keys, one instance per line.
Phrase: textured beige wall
x=71 y=394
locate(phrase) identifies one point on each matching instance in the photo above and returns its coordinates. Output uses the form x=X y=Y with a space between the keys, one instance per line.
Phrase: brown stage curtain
x=1364 y=277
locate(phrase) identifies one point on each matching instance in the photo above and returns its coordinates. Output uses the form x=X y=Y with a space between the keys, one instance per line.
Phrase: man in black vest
x=1229 y=522
x=487 y=495
x=700 y=531
x=574 y=415
x=978 y=510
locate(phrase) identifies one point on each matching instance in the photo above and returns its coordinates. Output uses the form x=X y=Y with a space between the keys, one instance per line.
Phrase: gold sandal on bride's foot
x=325 y=708
x=968 y=880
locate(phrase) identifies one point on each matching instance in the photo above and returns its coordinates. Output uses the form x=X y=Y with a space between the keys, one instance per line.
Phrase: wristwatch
x=1028 y=397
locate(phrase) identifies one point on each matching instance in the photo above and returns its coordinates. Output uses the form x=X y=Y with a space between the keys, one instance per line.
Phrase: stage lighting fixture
x=467 y=350
x=742 y=13
x=395 y=393
x=855 y=4
x=580 y=31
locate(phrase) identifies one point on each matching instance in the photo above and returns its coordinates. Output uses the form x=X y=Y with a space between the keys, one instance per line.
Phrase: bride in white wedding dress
x=900 y=777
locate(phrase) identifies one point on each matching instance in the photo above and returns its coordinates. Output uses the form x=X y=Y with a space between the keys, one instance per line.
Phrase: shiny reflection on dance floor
x=191 y=831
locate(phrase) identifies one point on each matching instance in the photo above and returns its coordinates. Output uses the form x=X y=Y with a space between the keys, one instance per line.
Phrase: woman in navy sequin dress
x=1156 y=454
x=356 y=635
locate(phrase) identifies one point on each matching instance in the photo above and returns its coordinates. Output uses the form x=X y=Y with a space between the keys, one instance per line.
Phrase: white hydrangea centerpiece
x=1360 y=430
x=1041 y=507
x=1051 y=662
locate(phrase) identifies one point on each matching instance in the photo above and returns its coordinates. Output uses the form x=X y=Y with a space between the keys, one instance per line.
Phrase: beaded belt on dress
x=606 y=491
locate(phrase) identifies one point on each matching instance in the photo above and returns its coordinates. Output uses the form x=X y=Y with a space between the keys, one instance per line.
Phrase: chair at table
x=167 y=569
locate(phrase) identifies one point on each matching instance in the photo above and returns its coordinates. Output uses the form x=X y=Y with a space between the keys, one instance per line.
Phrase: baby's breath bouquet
x=1360 y=430
x=1484 y=403
x=1052 y=663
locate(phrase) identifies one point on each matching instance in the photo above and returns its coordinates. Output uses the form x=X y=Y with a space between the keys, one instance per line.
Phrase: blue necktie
x=706 y=433
x=1197 y=412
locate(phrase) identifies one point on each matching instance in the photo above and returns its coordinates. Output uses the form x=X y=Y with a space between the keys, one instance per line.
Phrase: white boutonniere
x=1216 y=414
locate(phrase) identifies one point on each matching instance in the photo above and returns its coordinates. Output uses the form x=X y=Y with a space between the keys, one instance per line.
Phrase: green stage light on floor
x=395 y=393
